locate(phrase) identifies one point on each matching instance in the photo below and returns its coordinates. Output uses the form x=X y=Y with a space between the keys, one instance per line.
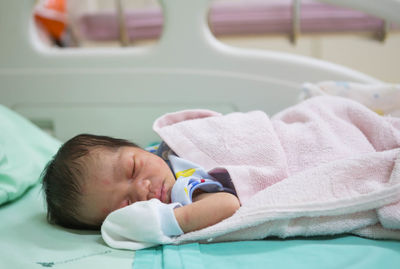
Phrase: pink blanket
x=328 y=165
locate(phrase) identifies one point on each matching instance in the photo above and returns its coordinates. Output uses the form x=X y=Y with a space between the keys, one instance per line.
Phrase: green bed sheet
x=335 y=252
x=28 y=241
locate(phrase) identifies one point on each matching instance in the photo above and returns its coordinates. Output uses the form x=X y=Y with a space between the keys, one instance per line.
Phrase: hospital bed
x=119 y=92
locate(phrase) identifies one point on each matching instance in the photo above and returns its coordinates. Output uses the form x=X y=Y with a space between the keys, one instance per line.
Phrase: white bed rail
x=104 y=90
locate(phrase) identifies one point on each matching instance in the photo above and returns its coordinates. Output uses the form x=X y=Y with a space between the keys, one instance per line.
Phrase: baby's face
x=118 y=179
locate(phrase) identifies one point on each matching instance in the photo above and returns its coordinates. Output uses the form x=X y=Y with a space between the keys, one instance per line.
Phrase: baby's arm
x=141 y=224
x=207 y=209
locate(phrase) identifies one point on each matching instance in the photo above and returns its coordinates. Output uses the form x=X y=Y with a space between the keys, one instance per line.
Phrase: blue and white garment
x=157 y=223
x=189 y=176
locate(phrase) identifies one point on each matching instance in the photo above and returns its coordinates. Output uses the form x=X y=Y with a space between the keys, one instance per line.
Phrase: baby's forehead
x=102 y=152
x=101 y=159
x=100 y=165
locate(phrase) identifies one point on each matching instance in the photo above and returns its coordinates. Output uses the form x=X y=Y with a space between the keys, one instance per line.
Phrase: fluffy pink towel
x=328 y=165
x=231 y=142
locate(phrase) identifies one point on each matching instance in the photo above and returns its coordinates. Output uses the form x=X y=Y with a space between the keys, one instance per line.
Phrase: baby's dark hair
x=63 y=177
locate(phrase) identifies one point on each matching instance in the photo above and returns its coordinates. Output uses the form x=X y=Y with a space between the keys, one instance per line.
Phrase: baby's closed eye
x=133 y=169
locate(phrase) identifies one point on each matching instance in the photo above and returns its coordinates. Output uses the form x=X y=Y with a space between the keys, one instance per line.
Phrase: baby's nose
x=143 y=189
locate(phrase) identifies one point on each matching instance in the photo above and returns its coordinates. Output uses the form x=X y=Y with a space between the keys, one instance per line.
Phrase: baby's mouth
x=163 y=193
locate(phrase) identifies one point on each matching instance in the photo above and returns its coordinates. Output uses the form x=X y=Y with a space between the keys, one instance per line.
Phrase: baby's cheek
x=105 y=211
x=160 y=162
x=106 y=182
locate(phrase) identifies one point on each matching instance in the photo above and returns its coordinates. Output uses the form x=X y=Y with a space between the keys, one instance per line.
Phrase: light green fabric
x=27 y=240
x=336 y=252
x=24 y=151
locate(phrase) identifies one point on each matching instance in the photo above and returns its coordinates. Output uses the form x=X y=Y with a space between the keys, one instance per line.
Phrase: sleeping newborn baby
x=313 y=165
x=92 y=176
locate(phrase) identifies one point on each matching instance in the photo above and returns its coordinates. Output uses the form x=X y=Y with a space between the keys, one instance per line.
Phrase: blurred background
x=311 y=28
